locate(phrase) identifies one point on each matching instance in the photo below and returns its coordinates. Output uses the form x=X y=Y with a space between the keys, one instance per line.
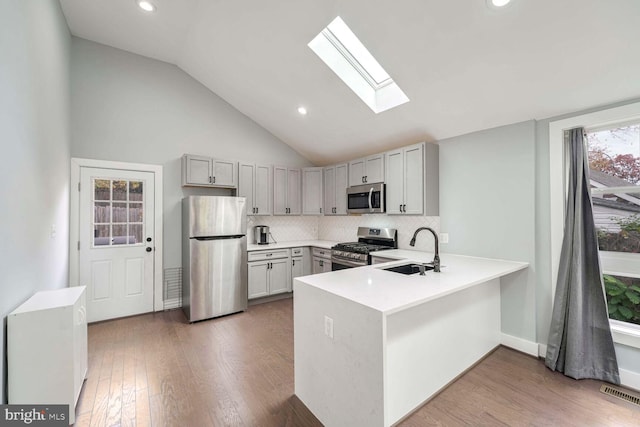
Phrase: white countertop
x=325 y=244
x=390 y=292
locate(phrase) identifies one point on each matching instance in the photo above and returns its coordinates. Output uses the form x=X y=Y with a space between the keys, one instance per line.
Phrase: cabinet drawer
x=266 y=255
x=296 y=251
x=321 y=253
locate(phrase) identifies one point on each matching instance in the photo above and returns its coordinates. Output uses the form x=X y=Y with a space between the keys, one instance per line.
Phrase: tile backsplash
x=345 y=228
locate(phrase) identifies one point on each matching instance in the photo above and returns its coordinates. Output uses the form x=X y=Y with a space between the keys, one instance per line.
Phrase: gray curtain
x=580 y=343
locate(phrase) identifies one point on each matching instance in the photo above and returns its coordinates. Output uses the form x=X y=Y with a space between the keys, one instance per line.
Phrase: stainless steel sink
x=411 y=268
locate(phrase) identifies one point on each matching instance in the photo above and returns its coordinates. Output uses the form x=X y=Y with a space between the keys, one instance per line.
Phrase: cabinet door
x=224 y=173
x=374 y=169
x=320 y=265
x=279 y=276
x=280 y=179
x=356 y=172
x=246 y=176
x=341 y=189
x=297 y=267
x=294 y=184
x=262 y=192
x=199 y=170
x=312 y=191
x=413 y=179
x=329 y=190
x=257 y=279
x=395 y=181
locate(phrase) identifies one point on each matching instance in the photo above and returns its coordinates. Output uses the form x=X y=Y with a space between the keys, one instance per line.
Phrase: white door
x=279 y=190
x=414 y=180
x=329 y=190
x=279 y=276
x=294 y=185
x=262 y=190
x=341 y=190
x=246 y=175
x=374 y=169
x=116 y=242
x=395 y=188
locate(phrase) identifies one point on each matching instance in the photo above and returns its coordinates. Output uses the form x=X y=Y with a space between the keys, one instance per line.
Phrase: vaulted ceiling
x=464 y=66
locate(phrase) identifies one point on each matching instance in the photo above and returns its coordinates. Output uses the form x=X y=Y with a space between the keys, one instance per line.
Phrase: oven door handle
x=347 y=263
x=370 y=195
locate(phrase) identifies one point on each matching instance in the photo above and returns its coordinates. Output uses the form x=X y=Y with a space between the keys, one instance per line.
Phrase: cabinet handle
x=366 y=179
x=257 y=210
x=321 y=263
x=294 y=262
x=320 y=210
x=210 y=181
x=269 y=255
x=214 y=179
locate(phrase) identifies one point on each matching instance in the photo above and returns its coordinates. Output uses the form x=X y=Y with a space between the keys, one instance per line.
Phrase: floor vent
x=620 y=394
x=172 y=292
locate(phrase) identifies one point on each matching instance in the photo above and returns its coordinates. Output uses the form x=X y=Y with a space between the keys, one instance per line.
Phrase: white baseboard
x=630 y=379
x=542 y=350
x=528 y=347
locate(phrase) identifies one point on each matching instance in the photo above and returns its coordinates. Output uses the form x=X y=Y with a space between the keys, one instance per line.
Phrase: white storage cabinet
x=335 y=189
x=269 y=272
x=321 y=260
x=203 y=171
x=47 y=349
x=367 y=170
x=286 y=191
x=312 y=191
x=254 y=183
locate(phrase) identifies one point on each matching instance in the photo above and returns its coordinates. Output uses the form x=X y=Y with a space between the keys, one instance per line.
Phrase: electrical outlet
x=444 y=237
x=328 y=326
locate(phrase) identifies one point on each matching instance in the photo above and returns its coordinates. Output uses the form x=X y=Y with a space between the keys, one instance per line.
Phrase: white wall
x=487 y=205
x=34 y=135
x=126 y=107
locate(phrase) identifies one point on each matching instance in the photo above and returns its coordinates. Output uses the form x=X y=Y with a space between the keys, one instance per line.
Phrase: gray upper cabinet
x=335 y=189
x=312 y=194
x=367 y=170
x=203 y=171
x=254 y=183
x=412 y=180
x=286 y=191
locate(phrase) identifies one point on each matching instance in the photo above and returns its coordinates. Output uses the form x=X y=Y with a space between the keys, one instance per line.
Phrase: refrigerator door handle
x=231 y=236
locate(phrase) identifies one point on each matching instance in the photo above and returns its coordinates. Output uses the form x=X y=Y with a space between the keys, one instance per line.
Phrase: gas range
x=357 y=254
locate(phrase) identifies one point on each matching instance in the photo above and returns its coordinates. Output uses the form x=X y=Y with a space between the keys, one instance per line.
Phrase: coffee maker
x=261 y=234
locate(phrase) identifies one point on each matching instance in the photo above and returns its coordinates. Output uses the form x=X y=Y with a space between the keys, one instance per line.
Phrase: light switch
x=444 y=237
x=328 y=326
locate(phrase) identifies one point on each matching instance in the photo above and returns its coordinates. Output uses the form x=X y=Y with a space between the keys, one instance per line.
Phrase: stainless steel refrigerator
x=214 y=256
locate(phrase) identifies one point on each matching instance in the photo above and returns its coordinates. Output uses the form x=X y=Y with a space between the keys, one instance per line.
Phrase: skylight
x=345 y=54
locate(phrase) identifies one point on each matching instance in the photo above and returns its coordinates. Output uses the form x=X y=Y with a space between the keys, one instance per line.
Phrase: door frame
x=74 y=219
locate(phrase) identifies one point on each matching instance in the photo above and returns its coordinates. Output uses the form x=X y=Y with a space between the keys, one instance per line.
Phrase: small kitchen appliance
x=368 y=198
x=358 y=254
x=261 y=234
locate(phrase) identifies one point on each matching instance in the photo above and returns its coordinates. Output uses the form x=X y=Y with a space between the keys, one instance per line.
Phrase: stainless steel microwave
x=368 y=198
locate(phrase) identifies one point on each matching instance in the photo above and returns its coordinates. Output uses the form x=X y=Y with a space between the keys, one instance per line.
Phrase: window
x=344 y=53
x=614 y=166
x=118 y=212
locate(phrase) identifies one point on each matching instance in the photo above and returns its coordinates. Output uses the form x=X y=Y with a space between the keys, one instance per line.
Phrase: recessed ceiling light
x=146 y=5
x=497 y=3
x=302 y=111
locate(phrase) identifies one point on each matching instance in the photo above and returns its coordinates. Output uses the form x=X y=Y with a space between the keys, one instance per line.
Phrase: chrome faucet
x=436 y=258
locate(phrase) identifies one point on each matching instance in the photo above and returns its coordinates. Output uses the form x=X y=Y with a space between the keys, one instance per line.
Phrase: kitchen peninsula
x=373 y=345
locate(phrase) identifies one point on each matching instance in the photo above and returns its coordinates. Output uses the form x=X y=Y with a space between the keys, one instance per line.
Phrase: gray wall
x=487 y=205
x=34 y=133
x=129 y=108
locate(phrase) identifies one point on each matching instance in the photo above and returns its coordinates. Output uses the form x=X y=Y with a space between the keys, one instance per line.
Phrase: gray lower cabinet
x=321 y=259
x=269 y=273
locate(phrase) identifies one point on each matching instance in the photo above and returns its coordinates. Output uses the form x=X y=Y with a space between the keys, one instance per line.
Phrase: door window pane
x=135 y=212
x=102 y=189
x=135 y=191
x=102 y=212
x=119 y=190
x=118 y=209
x=135 y=233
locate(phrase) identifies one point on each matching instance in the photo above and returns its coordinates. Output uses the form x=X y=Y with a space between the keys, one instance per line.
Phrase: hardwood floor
x=157 y=370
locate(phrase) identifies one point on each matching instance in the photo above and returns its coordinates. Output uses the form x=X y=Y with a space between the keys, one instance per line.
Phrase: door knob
x=148 y=249
x=148 y=239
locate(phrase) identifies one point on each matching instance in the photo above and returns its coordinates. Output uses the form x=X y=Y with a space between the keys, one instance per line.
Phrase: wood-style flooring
x=158 y=370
